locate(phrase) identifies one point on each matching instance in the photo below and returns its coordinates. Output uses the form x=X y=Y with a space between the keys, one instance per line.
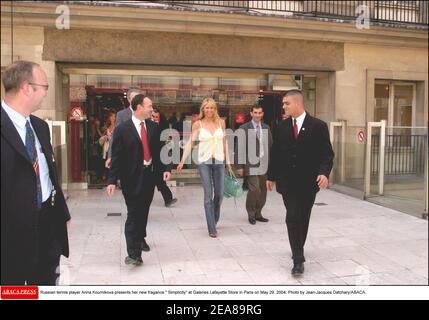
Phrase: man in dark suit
x=34 y=212
x=301 y=161
x=136 y=162
x=162 y=187
x=254 y=170
x=122 y=116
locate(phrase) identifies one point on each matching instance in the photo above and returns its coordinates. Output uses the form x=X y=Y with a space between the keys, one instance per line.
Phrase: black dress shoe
x=252 y=220
x=298 y=269
x=170 y=202
x=134 y=261
x=145 y=246
x=262 y=219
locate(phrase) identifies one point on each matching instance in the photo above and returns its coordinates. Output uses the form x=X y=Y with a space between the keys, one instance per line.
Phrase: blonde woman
x=209 y=130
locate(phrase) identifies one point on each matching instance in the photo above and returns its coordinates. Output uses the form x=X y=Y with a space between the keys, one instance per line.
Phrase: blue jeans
x=212 y=176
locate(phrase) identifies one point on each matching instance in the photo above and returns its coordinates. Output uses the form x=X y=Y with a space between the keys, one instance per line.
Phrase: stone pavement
x=350 y=242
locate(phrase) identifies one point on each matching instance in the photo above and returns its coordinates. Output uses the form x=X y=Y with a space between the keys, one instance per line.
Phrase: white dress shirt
x=261 y=146
x=19 y=122
x=299 y=121
x=138 y=128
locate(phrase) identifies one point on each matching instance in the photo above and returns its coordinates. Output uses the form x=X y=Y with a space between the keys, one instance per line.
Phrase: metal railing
x=407 y=12
x=404 y=154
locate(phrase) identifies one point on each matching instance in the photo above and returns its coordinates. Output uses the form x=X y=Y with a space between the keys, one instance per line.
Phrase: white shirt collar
x=17 y=118
x=299 y=120
x=137 y=121
x=255 y=124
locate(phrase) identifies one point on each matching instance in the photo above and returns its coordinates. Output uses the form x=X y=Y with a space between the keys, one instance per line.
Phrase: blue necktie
x=30 y=145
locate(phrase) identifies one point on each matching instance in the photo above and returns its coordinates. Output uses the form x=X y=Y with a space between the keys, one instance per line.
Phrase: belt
x=49 y=203
x=149 y=166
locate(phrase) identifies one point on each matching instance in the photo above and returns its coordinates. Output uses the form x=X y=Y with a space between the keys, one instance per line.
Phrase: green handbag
x=232 y=187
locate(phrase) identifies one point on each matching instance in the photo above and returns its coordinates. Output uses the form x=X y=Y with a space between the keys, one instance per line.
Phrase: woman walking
x=105 y=139
x=209 y=131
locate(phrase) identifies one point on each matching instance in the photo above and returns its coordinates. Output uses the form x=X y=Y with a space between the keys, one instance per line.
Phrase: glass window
x=109 y=81
x=309 y=89
x=403 y=105
x=381 y=107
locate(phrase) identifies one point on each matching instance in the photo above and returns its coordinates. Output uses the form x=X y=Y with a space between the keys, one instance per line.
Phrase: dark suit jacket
x=295 y=164
x=19 y=232
x=127 y=156
x=250 y=133
x=121 y=117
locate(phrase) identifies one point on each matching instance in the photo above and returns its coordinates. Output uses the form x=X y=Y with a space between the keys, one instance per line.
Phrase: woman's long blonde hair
x=210 y=101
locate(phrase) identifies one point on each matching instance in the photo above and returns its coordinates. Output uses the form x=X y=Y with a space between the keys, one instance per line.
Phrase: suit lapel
x=249 y=128
x=43 y=139
x=45 y=143
x=10 y=133
x=133 y=130
x=304 y=128
x=150 y=130
x=289 y=128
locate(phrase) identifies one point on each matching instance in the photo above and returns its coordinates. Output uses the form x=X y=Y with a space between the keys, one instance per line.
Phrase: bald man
x=301 y=161
x=34 y=213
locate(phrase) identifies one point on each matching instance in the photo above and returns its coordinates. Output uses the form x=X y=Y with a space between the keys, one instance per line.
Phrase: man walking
x=122 y=116
x=302 y=159
x=136 y=162
x=255 y=173
x=162 y=187
x=34 y=212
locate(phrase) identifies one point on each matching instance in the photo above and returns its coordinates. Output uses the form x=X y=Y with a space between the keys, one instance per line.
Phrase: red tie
x=145 y=143
x=295 y=129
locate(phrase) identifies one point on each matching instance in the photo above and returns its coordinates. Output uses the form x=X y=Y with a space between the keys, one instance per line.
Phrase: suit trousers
x=298 y=206
x=256 y=195
x=138 y=212
x=45 y=269
x=164 y=189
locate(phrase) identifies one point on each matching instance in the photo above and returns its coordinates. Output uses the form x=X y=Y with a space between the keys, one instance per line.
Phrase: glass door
x=405 y=150
x=395 y=102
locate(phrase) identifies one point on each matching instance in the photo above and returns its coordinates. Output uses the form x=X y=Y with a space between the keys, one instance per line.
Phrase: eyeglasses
x=46 y=86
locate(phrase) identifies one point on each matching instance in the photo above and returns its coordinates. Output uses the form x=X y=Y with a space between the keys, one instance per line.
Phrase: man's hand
x=240 y=172
x=322 y=181
x=108 y=163
x=167 y=176
x=270 y=185
x=110 y=189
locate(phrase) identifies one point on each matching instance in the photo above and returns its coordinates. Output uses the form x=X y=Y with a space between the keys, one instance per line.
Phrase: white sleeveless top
x=210 y=145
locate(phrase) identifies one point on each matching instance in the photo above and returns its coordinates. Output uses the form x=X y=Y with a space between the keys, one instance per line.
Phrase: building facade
x=358 y=62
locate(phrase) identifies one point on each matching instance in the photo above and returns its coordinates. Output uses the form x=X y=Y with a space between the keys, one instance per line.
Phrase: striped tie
x=30 y=145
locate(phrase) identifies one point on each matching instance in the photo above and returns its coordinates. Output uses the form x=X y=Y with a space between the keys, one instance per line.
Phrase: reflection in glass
x=381 y=108
x=402 y=109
